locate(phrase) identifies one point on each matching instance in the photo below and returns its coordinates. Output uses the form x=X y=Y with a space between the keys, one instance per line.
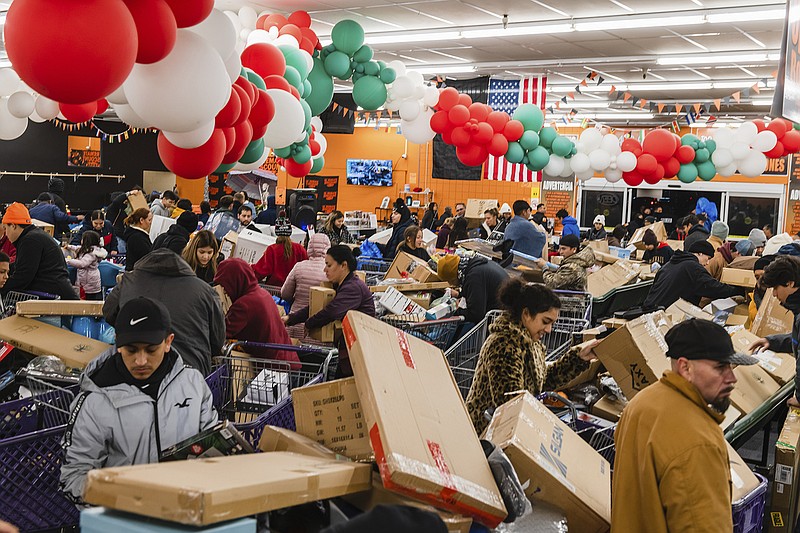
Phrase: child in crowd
x=87 y=258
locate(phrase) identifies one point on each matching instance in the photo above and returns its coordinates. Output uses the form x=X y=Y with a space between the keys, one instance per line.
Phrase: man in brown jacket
x=671 y=471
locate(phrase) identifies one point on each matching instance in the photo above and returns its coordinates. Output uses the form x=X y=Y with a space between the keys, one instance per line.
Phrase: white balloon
x=415 y=77
x=746 y=133
x=118 y=96
x=393 y=105
x=234 y=18
x=259 y=36
x=11 y=127
x=233 y=66
x=183 y=91
x=599 y=159
x=402 y=87
x=289 y=121
x=626 y=161
x=219 y=31
x=580 y=163
x=583 y=176
x=398 y=66
x=724 y=137
x=753 y=165
x=610 y=144
x=591 y=139
x=255 y=164
x=555 y=166
x=21 y=104
x=244 y=33
x=273 y=32
x=739 y=151
x=613 y=176
x=9 y=81
x=419 y=131
x=765 y=141
x=431 y=97
x=286 y=39
x=191 y=139
x=127 y=115
x=36 y=118
x=316 y=122
x=240 y=46
x=248 y=17
x=46 y=108
x=419 y=92
x=722 y=157
x=567 y=172
x=728 y=171
x=323 y=142
x=409 y=110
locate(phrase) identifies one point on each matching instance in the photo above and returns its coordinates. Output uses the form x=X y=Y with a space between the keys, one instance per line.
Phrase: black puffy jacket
x=684 y=277
x=40 y=266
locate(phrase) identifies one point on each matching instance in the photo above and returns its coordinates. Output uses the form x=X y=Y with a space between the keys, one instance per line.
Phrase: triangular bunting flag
x=737 y=96
x=583 y=82
x=558 y=104
x=660 y=107
x=678 y=108
x=706 y=107
x=613 y=88
x=592 y=75
x=550 y=109
x=696 y=108
x=578 y=89
x=635 y=100
x=379 y=113
x=390 y=113
x=642 y=103
x=746 y=93
x=571 y=95
x=651 y=106
x=600 y=80
x=335 y=105
x=627 y=96
x=564 y=99
x=756 y=89
x=717 y=102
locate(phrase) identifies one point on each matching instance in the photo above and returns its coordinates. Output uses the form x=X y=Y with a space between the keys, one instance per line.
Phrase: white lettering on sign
x=558 y=186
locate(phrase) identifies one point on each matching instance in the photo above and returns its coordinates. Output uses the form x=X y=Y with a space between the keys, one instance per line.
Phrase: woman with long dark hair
x=202 y=254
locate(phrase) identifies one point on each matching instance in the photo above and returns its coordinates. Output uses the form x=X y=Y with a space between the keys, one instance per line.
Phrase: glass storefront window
x=746 y=213
x=608 y=203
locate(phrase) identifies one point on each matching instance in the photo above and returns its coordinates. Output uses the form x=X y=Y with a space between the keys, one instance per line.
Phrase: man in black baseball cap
x=671 y=461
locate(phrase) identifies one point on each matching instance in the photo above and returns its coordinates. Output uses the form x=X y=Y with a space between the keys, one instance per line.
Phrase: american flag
x=507 y=95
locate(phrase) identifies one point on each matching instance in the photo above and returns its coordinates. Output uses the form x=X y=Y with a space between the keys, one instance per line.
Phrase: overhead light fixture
x=747 y=16
x=454 y=69
x=511 y=31
x=412 y=37
x=761 y=102
x=631 y=23
x=703 y=59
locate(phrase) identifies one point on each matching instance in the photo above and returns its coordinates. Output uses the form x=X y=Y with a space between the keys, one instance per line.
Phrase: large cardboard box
x=47 y=228
x=136 y=201
x=610 y=277
x=330 y=413
x=658 y=228
x=411 y=287
x=224 y=299
x=682 y=310
x=598 y=246
x=731 y=416
x=753 y=388
x=743 y=480
x=424 y=441
x=675 y=245
x=608 y=407
x=59 y=308
x=413 y=267
x=228 y=245
x=398 y=303
x=780 y=366
x=275 y=439
x=559 y=467
x=39 y=338
x=206 y=491
x=636 y=354
x=250 y=245
x=772 y=318
x=476 y=207
x=738 y=277
x=786 y=477
x=318 y=298
x=160 y=225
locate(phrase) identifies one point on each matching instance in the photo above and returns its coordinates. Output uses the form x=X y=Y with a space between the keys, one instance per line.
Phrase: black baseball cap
x=142 y=320
x=570 y=241
x=702 y=339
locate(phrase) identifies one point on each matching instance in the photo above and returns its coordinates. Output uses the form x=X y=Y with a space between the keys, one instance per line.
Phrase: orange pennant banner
x=660 y=107
x=717 y=103
x=696 y=108
x=678 y=108
x=626 y=97
x=756 y=88
x=737 y=96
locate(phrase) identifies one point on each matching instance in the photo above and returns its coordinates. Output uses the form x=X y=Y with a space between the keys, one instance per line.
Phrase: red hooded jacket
x=253 y=315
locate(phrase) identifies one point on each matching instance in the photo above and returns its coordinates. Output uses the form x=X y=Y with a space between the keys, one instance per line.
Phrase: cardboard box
x=675 y=245
x=608 y=407
x=731 y=416
x=218 y=441
x=47 y=228
x=636 y=354
x=657 y=227
x=206 y=491
x=160 y=225
x=429 y=238
x=250 y=245
x=682 y=310
x=136 y=201
x=330 y=413
x=39 y=338
x=59 y=308
x=224 y=299
x=610 y=277
x=413 y=267
x=424 y=441
x=398 y=303
x=560 y=467
x=614 y=323
x=721 y=305
x=601 y=258
x=228 y=245
x=476 y=207
x=743 y=480
x=754 y=387
x=275 y=439
x=619 y=253
x=411 y=287
x=780 y=366
x=599 y=246
x=738 y=277
x=593 y=333
x=786 y=477
x=318 y=298
x=772 y=318
x=381 y=237
x=588 y=375
x=422 y=299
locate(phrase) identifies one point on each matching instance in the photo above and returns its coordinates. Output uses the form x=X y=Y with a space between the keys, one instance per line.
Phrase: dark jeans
x=94 y=296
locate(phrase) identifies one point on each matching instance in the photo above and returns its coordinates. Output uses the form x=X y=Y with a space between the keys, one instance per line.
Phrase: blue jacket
x=527 y=239
x=51 y=214
x=570 y=227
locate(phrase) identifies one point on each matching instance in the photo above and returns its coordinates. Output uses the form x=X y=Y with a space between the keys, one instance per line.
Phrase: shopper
x=526 y=239
x=541 y=209
x=137 y=236
x=163 y=206
x=571 y=274
x=279 y=258
x=270 y=213
x=181 y=206
x=46 y=211
x=413 y=245
x=202 y=255
x=40 y=265
x=137 y=399
x=6 y=246
x=746 y=259
x=401 y=220
x=671 y=470
x=719 y=234
x=685 y=277
x=116 y=214
x=479 y=280
x=98 y=223
x=336 y=231
x=759 y=240
x=304 y=275
x=617 y=236
x=87 y=259
x=458 y=233
x=723 y=257
x=461 y=210
x=5 y=268
x=205 y=212
x=540 y=224
x=448 y=213
x=430 y=217
x=506 y=212
x=444 y=233
x=598 y=231
x=679 y=233
x=253 y=315
x=245 y=217
x=239 y=199
x=177 y=235
x=55 y=188
x=194 y=306
x=513 y=356
x=655 y=251
x=352 y=294
x=223 y=220
x=768 y=231
x=697 y=231
x=570 y=225
x=493 y=223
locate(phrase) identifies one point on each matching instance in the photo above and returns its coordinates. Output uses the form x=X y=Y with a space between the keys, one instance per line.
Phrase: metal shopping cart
x=560 y=338
x=374 y=268
x=440 y=332
x=575 y=304
x=463 y=355
x=275 y=292
x=8 y=306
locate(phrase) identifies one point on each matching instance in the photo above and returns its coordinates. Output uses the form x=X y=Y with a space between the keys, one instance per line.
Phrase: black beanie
x=702 y=247
x=188 y=221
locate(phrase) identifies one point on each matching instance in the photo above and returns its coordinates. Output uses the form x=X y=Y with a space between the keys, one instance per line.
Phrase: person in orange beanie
x=40 y=265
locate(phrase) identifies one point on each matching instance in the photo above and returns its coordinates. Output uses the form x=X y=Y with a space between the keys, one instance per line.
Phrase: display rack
x=426 y=197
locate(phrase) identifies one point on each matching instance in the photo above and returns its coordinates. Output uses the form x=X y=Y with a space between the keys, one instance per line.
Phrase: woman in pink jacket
x=304 y=275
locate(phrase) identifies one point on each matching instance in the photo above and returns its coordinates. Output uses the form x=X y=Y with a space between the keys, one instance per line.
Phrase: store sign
x=83 y=152
x=327 y=191
x=271 y=164
x=793 y=209
x=558 y=193
x=791 y=63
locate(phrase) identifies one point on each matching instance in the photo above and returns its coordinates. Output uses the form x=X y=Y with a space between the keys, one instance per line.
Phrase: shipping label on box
x=658 y=228
x=682 y=310
x=59 y=308
x=330 y=413
x=786 y=477
x=610 y=277
x=754 y=387
x=772 y=318
x=250 y=245
x=636 y=354
x=398 y=303
x=318 y=298
x=47 y=228
x=160 y=225
x=558 y=466
x=780 y=366
x=218 y=441
x=738 y=277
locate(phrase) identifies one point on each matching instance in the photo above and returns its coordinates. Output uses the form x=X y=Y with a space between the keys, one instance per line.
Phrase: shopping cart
x=275 y=292
x=462 y=356
x=575 y=304
x=440 y=332
x=374 y=268
x=8 y=306
x=28 y=415
x=560 y=338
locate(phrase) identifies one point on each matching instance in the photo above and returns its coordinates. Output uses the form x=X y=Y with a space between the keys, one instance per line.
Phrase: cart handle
x=573 y=411
x=438 y=321
x=270 y=346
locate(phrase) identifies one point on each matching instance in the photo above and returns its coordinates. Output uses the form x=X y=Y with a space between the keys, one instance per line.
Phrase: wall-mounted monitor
x=375 y=172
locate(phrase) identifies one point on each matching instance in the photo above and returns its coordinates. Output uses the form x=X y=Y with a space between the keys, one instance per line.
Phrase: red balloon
x=633 y=146
x=294 y=92
x=440 y=121
x=301 y=19
x=156 y=28
x=190 y=13
x=465 y=100
x=479 y=111
x=447 y=98
x=249 y=88
x=760 y=125
x=260 y=22
x=78 y=112
x=498 y=146
x=277 y=82
x=230 y=137
x=244 y=134
x=671 y=167
x=685 y=154
x=307 y=46
x=63 y=50
x=447 y=135
x=791 y=141
x=777 y=151
x=262 y=112
x=296 y=169
x=472 y=155
x=275 y=19
x=229 y=115
x=102 y=106
x=458 y=115
x=315 y=147
x=498 y=120
x=309 y=34
x=291 y=29
x=193 y=163
x=513 y=130
x=632 y=178
x=461 y=137
x=245 y=104
x=660 y=144
x=779 y=127
x=484 y=134
x=656 y=176
x=264 y=59
x=646 y=164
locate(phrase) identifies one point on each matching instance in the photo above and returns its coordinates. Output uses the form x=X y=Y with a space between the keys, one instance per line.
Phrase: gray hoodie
x=119 y=425
x=157 y=208
x=194 y=307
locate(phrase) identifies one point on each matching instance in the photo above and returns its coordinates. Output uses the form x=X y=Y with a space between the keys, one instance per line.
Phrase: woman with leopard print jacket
x=513 y=356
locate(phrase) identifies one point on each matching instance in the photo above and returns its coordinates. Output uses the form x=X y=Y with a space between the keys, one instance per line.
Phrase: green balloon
x=796 y=126
x=515 y=153
x=347 y=36
x=706 y=171
x=388 y=75
x=222 y=169
x=711 y=145
x=307 y=113
x=303 y=155
x=547 y=136
x=357 y=76
x=316 y=164
x=372 y=69
x=701 y=156
x=321 y=85
x=689 y=140
x=295 y=58
x=363 y=54
x=306 y=87
x=529 y=140
x=382 y=64
x=369 y=92
x=330 y=48
x=525 y=160
x=530 y=116
x=687 y=173
x=360 y=68
x=539 y=158
x=254 y=151
x=337 y=64
x=283 y=152
x=293 y=77
x=562 y=146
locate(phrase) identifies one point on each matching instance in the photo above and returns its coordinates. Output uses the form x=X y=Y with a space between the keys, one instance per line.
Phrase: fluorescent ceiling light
x=591 y=105
x=702 y=59
x=511 y=31
x=628 y=23
x=747 y=16
x=761 y=102
x=455 y=69
x=412 y=37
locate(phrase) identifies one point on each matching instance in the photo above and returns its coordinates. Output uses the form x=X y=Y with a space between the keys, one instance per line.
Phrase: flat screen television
x=375 y=172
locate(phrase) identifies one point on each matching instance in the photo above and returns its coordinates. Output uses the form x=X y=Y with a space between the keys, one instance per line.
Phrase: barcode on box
x=784 y=474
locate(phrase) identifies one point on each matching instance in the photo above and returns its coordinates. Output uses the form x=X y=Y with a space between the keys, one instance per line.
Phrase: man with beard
x=671 y=463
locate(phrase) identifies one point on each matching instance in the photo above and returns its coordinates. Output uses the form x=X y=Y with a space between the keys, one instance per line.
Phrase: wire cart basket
x=8 y=306
x=275 y=292
x=560 y=338
x=440 y=332
x=374 y=268
x=577 y=305
x=463 y=355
